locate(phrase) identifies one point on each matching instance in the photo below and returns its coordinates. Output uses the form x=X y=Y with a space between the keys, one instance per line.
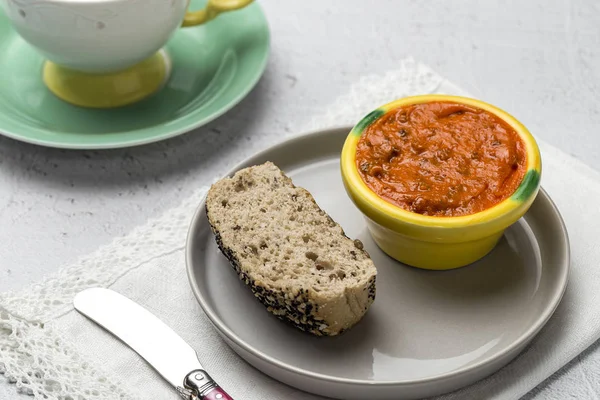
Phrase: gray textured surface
x=537 y=59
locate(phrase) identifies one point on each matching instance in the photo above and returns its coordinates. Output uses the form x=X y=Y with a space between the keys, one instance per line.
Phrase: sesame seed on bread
x=295 y=258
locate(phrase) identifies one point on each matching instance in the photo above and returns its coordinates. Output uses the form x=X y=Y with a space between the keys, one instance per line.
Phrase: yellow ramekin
x=430 y=242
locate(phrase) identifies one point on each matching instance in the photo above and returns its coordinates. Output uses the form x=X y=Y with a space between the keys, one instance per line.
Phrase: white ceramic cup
x=104 y=36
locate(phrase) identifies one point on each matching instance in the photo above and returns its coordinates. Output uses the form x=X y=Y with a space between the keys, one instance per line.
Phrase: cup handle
x=212 y=10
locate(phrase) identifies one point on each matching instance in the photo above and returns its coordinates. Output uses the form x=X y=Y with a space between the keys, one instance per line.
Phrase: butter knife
x=152 y=339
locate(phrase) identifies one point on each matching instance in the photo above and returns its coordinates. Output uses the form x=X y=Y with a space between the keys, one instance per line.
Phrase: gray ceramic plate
x=427 y=332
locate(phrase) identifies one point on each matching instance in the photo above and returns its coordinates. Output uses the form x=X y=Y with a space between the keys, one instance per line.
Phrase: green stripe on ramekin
x=366 y=121
x=528 y=185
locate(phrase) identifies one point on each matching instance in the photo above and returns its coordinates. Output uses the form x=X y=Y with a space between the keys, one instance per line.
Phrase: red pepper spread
x=441 y=159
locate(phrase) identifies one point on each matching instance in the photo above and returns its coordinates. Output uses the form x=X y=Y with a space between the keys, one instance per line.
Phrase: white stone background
x=537 y=59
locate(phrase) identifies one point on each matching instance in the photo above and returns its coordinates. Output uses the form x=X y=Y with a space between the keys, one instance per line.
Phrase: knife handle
x=203 y=387
x=216 y=394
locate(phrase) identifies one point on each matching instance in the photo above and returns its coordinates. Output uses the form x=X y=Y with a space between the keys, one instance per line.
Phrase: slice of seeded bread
x=296 y=260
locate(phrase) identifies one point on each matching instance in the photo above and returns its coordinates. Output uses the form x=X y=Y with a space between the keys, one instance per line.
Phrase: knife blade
x=174 y=359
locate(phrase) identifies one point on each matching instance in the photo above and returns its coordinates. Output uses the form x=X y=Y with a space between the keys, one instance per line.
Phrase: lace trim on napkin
x=32 y=353
x=40 y=363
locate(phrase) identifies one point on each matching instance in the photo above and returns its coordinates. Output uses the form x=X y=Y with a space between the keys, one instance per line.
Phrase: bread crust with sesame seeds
x=294 y=257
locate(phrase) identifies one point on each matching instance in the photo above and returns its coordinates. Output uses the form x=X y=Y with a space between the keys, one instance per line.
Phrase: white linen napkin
x=50 y=351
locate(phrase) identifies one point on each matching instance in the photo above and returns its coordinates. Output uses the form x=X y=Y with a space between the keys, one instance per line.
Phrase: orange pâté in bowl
x=441 y=158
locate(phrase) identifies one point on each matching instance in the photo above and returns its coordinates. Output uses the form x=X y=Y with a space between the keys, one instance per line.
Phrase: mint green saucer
x=214 y=66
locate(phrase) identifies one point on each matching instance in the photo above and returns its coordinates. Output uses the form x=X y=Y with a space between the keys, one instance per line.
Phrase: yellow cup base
x=431 y=255
x=108 y=90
